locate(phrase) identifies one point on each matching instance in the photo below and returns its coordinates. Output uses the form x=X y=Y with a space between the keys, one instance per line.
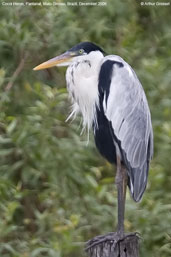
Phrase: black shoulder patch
x=103 y=133
x=105 y=77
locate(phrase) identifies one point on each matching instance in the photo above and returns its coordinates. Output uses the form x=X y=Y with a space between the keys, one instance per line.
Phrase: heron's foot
x=112 y=238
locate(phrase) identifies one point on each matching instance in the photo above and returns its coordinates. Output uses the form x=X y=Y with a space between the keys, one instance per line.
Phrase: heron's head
x=75 y=53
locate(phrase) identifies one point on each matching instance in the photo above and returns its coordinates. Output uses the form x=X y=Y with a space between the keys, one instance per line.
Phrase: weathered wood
x=111 y=246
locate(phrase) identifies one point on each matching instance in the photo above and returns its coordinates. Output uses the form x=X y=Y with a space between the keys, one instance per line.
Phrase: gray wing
x=127 y=109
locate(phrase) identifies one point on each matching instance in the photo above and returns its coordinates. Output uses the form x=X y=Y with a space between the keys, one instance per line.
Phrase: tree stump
x=111 y=246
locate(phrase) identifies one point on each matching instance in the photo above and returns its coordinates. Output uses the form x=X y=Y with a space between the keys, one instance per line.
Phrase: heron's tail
x=137 y=181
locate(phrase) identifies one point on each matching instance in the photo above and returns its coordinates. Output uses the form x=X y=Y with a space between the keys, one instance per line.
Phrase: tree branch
x=16 y=73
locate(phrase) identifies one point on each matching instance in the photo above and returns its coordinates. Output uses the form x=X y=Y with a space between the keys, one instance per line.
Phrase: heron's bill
x=61 y=60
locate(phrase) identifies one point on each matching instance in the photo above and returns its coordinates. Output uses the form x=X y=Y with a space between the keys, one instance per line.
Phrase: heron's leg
x=115 y=237
x=121 y=183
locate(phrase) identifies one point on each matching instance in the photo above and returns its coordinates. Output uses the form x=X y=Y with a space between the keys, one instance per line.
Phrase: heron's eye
x=81 y=51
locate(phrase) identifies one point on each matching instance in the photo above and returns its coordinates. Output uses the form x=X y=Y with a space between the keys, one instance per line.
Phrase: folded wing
x=126 y=108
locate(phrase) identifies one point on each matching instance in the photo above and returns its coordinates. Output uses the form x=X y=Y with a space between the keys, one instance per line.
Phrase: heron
x=108 y=94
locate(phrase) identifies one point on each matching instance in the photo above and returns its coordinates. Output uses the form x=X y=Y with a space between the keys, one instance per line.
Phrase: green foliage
x=56 y=192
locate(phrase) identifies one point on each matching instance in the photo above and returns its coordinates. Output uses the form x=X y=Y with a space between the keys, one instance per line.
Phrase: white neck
x=82 y=83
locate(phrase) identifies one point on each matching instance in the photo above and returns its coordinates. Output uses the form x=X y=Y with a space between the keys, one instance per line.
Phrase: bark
x=111 y=246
